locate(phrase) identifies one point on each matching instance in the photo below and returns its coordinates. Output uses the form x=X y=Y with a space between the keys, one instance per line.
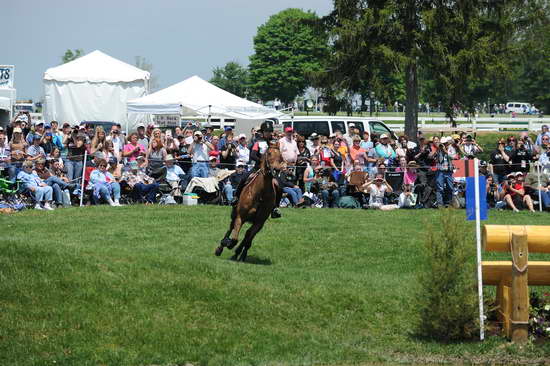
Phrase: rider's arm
x=255 y=153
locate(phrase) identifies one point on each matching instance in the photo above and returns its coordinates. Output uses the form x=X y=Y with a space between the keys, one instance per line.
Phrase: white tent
x=5 y=103
x=197 y=97
x=94 y=87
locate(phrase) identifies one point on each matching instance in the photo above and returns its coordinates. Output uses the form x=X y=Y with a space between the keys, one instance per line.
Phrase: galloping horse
x=257 y=200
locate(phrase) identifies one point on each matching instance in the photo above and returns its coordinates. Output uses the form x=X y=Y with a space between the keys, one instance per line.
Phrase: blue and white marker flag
x=471 y=199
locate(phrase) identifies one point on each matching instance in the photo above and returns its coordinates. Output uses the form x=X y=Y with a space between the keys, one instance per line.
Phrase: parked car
x=327 y=125
x=518 y=107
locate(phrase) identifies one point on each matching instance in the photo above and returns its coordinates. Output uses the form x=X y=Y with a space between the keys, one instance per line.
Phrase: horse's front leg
x=248 y=238
x=231 y=237
x=224 y=242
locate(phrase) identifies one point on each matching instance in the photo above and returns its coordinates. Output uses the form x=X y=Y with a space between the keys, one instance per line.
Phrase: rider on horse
x=256 y=153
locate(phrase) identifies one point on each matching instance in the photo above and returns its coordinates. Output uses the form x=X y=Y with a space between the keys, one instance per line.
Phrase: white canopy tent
x=197 y=97
x=94 y=87
x=5 y=103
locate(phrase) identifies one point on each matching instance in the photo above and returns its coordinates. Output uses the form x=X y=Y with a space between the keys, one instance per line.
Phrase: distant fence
x=473 y=124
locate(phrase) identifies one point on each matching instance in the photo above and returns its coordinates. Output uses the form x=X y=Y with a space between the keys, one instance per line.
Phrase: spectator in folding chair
x=5 y=158
x=377 y=188
x=290 y=188
x=104 y=185
x=144 y=188
x=407 y=198
x=176 y=177
x=40 y=191
x=58 y=185
x=234 y=180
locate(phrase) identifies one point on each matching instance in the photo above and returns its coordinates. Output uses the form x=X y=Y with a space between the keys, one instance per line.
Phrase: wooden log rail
x=512 y=278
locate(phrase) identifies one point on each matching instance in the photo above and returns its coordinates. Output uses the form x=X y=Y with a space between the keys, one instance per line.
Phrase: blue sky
x=180 y=38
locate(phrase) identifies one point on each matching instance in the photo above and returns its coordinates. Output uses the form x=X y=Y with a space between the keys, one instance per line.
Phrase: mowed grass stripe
x=140 y=285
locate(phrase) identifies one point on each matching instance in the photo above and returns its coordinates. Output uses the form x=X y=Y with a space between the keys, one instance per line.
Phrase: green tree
x=71 y=55
x=142 y=63
x=288 y=47
x=233 y=78
x=458 y=44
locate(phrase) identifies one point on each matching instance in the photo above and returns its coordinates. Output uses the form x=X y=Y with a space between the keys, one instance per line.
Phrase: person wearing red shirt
x=515 y=195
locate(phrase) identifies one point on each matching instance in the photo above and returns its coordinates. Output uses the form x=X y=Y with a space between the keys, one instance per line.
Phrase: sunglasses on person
x=103 y=166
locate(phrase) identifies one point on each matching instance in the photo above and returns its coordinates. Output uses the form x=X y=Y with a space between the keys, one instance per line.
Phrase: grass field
x=141 y=286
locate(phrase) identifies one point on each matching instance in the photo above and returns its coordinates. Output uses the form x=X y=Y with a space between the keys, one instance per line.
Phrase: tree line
x=455 y=54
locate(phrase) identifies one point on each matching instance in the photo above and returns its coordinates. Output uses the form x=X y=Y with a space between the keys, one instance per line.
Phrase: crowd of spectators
x=341 y=170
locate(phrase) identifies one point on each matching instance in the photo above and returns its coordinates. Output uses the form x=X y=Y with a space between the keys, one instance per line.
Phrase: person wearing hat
x=175 y=176
x=35 y=151
x=235 y=180
x=207 y=130
x=521 y=158
x=199 y=150
x=384 y=149
x=409 y=177
x=289 y=147
x=223 y=140
x=228 y=153
x=41 y=192
x=243 y=152
x=37 y=130
x=47 y=143
x=470 y=147
x=515 y=195
x=544 y=132
x=260 y=147
x=144 y=188
x=58 y=184
x=143 y=140
x=500 y=162
x=314 y=144
x=444 y=175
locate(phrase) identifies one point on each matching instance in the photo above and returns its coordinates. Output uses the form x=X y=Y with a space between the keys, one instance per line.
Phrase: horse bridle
x=267 y=166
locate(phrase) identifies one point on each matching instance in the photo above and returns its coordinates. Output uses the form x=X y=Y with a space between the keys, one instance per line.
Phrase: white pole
x=540 y=192
x=83 y=173
x=478 y=240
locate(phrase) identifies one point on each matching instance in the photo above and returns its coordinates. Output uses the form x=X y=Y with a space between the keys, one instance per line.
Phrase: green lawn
x=141 y=286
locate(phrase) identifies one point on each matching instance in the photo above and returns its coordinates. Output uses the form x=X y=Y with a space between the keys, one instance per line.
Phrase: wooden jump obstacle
x=512 y=278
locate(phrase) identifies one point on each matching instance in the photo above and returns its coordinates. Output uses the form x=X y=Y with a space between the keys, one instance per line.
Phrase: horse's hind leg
x=247 y=241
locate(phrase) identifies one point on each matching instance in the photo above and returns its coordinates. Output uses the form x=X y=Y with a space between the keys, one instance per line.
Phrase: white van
x=327 y=125
x=518 y=107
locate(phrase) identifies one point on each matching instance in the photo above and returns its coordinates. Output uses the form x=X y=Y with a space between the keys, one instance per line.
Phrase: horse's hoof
x=233 y=257
x=226 y=242
x=218 y=251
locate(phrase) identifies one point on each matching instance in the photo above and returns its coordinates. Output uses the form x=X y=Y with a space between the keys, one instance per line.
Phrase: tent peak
x=96 y=66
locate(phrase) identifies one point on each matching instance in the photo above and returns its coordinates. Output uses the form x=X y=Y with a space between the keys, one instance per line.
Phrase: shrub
x=447 y=296
x=539 y=315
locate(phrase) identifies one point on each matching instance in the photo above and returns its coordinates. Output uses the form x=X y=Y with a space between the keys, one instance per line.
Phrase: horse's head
x=272 y=161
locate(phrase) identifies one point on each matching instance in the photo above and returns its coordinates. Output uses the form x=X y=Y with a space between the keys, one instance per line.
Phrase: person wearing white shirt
x=199 y=149
x=243 y=152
